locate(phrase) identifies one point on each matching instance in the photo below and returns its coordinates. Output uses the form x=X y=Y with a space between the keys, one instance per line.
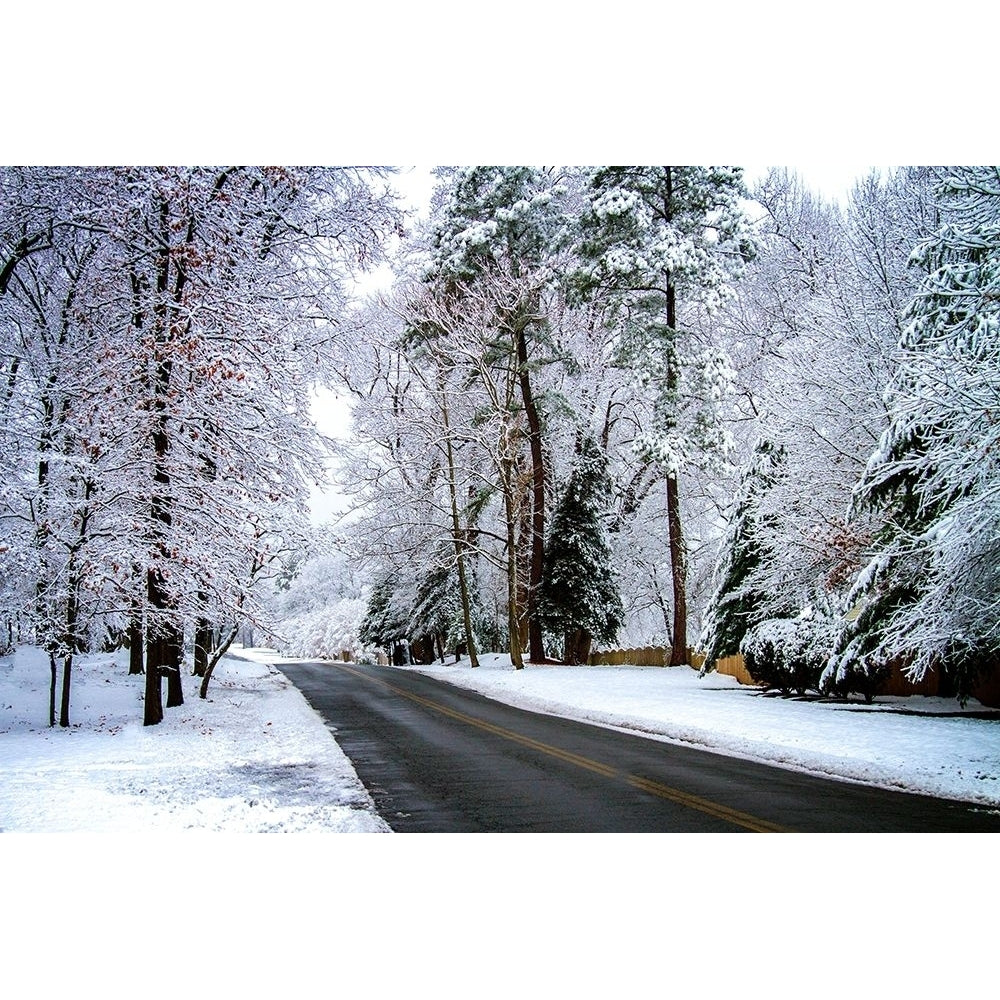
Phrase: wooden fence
x=645 y=656
x=897 y=683
x=733 y=666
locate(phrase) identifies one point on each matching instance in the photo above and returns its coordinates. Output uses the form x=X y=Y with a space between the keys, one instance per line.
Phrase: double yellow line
x=734 y=816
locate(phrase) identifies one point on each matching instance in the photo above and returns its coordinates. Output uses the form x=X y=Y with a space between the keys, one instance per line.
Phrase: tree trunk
x=203 y=633
x=160 y=626
x=577 y=645
x=678 y=560
x=175 y=680
x=536 y=644
x=513 y=624
x=70 y=642
x=52 y=687
x=470 y=641
x=71 y=637
x=220 y=651
x=152 y=713
x=678 y=572
x=64 y=703
x=523 y=569
x=135 y=642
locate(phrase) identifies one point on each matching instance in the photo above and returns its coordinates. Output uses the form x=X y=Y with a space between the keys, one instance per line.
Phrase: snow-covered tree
x=790 y=654
x=204 y=304
x=386 y=622
x=813 y=330
x=931 y=593
x=319 y=601
x=657 y=240
x=737 y=604
x=508 y=221
x=579 y=602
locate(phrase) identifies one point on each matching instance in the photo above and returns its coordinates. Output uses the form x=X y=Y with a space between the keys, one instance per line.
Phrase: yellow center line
x=734 y=816
x=743 y=819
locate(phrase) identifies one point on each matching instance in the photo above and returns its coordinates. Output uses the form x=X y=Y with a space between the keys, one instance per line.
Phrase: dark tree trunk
x=160 y=650
x=203 y=635
x=536 y=645
x=459 y=540
x=52 y=687
x=678 y=560
x=577 y=647
x=70 y=642
x=515 y=643
x=678 y=571
x=153 y=704
x=135 y=643
x=67 y=677
x=220 y=651
x=523 y=574
x=175 y=686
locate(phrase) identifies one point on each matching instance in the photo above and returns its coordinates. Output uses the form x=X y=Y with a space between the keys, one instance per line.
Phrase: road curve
x=438 y=758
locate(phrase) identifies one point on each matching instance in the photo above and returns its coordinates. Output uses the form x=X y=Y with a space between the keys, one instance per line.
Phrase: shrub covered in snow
x=789 y=654
x=852 y=672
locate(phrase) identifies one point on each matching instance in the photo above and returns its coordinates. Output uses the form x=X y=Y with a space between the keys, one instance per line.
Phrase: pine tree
x=654 y=239
x=931 y=592
x=579 y=600
x=386 y=621
x=738 y=603
x=438 y=617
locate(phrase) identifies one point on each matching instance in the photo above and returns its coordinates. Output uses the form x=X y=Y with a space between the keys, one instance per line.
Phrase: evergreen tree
x=386 y=620
x=738 y=602
x=654 y=239
x=438 y=619
x=931 y=592
x=579 y=600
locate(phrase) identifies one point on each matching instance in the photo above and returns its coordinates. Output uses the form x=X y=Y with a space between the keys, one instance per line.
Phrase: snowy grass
x=940 y=751
x=253 y=757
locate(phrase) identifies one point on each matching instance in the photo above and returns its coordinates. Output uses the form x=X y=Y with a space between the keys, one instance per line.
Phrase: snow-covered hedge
x=854 y=672
x=789 y=654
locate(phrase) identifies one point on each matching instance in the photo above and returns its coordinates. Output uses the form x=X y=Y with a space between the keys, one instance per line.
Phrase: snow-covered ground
x=256 y=757
x=251 y=757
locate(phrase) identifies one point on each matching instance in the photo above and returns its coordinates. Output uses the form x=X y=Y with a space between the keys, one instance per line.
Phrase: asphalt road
x=438 y=758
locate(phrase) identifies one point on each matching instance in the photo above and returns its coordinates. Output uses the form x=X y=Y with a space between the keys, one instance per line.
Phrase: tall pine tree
x=654 y=239
x=502 y=227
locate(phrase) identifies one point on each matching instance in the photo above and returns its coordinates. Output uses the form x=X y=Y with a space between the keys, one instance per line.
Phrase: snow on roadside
x=252 y=757
x=937 y=752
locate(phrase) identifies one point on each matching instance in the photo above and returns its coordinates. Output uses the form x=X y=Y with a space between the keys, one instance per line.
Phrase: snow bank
x=253 y=757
